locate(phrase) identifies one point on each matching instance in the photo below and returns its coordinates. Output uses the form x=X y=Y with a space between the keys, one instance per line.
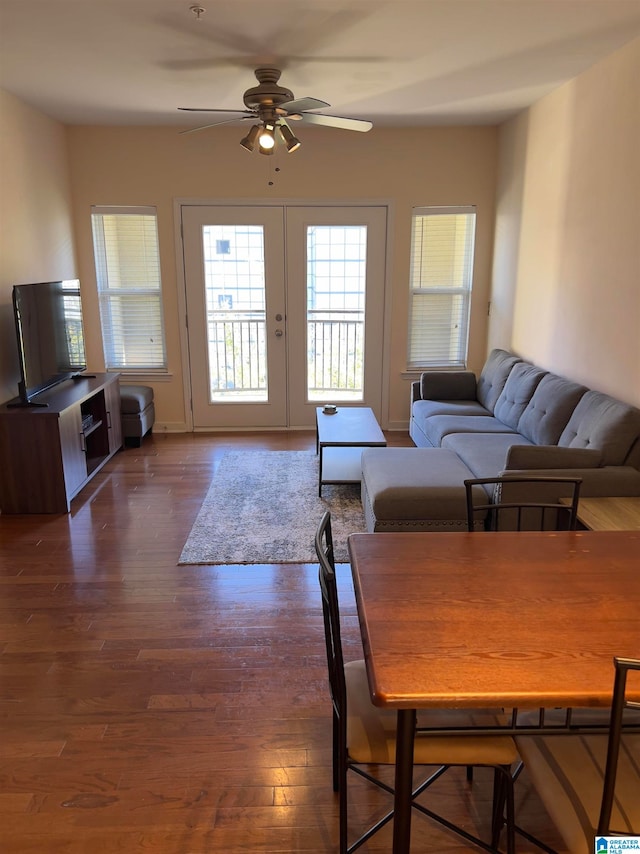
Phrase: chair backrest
x=331 y=614
x=523 y=503
x=618 y=705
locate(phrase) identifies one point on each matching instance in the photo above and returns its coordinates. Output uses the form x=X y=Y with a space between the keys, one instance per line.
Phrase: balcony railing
x=335 y=350
x=237 y=355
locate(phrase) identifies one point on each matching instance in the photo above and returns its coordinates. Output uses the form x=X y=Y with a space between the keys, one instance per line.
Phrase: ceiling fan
x=271 y=107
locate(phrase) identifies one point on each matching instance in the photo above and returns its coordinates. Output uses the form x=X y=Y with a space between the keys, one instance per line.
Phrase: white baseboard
x=160 y=427
x=169 y=427
x=397 y=426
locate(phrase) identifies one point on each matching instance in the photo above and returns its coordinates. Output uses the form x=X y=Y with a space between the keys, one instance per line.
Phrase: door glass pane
x=234 y=276
x=336 y=277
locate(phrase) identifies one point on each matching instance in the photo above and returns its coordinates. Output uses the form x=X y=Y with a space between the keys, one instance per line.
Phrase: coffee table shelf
x=340 y=439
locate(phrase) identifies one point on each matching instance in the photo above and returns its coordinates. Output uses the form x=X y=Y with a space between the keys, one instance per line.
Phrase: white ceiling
x=395 y=62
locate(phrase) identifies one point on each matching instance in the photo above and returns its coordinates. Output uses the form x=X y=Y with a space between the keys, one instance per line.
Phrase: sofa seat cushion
x=600 y=421
x=494 y=376
x=438 y=426
x=423 y=409
x=548 y=412
x=517 y=392
x=415 y=483
x=483 y=453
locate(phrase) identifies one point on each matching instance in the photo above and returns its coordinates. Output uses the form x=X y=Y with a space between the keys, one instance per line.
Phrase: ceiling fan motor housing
x=273 y=105
x=268 y=93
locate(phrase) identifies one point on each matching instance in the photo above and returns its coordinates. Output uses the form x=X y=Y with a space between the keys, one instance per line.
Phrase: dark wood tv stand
x=47 y=454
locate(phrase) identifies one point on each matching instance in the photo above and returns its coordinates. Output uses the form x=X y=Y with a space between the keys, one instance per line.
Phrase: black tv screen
x=50 y=335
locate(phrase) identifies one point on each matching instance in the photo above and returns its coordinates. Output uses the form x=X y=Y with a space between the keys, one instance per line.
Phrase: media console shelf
x=47 y=454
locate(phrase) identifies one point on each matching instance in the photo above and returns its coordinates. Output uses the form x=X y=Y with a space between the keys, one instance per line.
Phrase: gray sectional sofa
x=514 y=417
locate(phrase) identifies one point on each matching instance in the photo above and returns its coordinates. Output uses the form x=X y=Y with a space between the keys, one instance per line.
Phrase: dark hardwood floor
x=149 y=707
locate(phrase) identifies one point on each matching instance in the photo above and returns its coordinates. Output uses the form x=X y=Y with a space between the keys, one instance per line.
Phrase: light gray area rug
x=263 y=507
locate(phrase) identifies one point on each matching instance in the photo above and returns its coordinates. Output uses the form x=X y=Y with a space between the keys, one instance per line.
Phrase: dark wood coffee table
x=340 y=439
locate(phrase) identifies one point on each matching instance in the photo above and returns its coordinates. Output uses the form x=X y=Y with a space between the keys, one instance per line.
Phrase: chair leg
x=469 y=773
x=342 y=797
x=336 y=753
x=510 y=812
x=503 y=800
x=497 y=809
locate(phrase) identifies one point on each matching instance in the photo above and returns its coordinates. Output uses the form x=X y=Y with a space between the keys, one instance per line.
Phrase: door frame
x=179 y=203
x=264 y=408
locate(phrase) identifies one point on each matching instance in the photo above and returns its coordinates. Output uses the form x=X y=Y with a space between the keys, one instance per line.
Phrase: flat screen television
x=48 y=318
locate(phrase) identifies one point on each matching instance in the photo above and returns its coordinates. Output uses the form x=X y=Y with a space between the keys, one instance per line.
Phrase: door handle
x=279 y=333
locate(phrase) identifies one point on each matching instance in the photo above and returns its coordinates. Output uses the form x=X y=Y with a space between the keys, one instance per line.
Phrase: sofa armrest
x=448 y=385
x=415 y=391
x=596 y=482
x=551 y=457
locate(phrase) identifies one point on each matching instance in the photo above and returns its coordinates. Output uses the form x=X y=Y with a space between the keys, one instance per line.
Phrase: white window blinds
x=441 y=275
x=125 y=242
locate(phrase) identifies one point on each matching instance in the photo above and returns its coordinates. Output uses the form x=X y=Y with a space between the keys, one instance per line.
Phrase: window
x=442 y=242
x=336 y=286
x=125 y=244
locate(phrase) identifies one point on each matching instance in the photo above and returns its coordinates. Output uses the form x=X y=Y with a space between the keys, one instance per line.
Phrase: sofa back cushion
x=493 y=377
x=547 y=413
x=448 y=385
x=600 y=421
x=517 y=392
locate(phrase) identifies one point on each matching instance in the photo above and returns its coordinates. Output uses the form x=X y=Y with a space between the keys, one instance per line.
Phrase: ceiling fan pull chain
x=270 y=183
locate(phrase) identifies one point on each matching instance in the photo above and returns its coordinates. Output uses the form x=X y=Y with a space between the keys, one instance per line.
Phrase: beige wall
x=154 y=166
x=566 y=290
x=36 y=238
x=566 y=262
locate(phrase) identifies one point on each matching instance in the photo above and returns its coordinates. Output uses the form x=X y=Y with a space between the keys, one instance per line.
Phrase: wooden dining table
x=483 y=620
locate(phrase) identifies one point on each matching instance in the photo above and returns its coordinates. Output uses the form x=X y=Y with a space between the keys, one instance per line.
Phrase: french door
x=284 y=311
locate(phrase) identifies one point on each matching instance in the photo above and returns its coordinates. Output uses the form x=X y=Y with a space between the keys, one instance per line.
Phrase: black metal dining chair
x=522 y=503
x=364 y=735
x=590 y=783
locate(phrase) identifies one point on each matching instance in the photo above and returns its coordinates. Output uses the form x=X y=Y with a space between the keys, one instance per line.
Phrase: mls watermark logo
x=616 y=844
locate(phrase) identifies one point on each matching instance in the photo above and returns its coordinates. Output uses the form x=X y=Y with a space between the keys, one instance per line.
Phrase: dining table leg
x=405 y=735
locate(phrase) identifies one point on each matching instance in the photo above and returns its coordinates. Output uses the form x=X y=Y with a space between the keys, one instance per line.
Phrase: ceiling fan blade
x=215 y=110
x=215 y=124
x=336 y=122
x=301 y=104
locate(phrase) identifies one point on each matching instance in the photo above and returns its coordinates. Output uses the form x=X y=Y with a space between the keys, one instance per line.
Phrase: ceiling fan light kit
x=249 y=141
x=267 y=137
x=291 y=141
x=271 y=105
